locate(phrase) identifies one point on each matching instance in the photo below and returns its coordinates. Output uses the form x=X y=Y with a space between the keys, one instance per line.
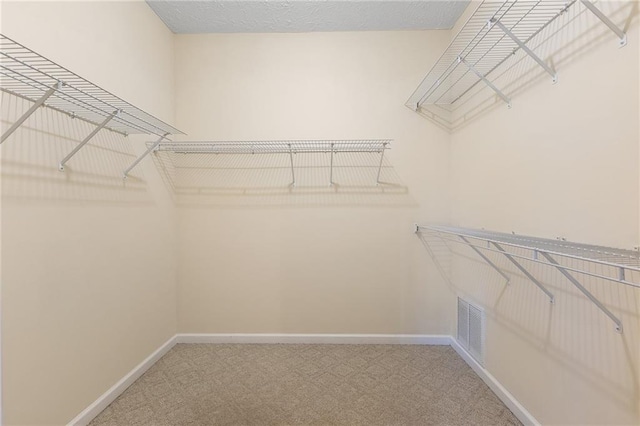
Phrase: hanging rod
x=492 y=35
x=30 y=76
x=288 y=147
x=619 y=261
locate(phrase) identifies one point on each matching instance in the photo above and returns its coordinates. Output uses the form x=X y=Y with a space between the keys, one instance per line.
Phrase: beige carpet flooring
x=201 y=384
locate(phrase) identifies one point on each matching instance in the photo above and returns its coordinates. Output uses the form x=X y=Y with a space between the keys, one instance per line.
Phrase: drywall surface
x=563 y=162
x=259 y=255
x=89 y=273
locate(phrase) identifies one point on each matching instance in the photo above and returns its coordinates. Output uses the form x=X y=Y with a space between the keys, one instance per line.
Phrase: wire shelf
x=615 y=264
x=608 y=256
x=290 y=148
x=275 y=147
x=28 y=75
x=484 y=47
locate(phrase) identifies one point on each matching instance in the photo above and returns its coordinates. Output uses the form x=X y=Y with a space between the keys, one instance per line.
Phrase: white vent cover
x=463 y=323
x=471 y=325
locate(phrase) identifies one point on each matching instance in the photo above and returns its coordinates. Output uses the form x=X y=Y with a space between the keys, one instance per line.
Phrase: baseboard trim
x=352 y=339
x=505 y=396
x=88 y=414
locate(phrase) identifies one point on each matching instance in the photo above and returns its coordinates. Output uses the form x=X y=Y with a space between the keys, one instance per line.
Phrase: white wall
x=562 y=162
x=90 y=265
x=89 y=268
x=311 y=259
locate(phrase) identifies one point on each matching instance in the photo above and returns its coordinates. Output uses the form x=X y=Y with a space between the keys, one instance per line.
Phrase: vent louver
x=471 y=329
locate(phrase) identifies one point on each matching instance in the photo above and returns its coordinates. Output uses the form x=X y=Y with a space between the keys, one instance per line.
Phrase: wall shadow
x=30 y=158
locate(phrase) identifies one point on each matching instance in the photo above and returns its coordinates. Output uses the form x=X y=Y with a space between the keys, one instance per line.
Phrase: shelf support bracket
x=384 y=146
x=87 y=139
x=331 y=169
x=525 y=272
x=486 y=259
x=613 y=27
x=487 y=82
x=293 y=175
x=584 y=291
x=547 y=68
x=140 y=158
x=30 y=111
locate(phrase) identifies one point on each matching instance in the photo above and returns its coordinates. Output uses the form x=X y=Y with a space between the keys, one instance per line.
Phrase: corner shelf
x=492 y=35
x=28 y=75
x=545 y=251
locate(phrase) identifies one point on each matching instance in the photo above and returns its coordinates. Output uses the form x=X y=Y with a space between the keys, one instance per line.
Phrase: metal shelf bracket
x=30 y=111
x=586 y=292
x=331 y=168
x=486 y=259
x=140 y=158
x=613 y=27
x=504 y=97
x=525 y=272
x=384 y=146
x=87 y=139
x=521 y=45
x=293 y=174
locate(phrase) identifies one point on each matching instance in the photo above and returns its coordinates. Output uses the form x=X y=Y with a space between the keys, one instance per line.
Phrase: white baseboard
x=85 y=417
x=505 y=396
x=357 y=339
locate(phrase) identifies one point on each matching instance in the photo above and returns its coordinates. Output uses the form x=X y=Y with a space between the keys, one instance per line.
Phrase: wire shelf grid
x=566 y=257
x=28 y=75
x=275 y=147
x=627 y=260
x=484 y=47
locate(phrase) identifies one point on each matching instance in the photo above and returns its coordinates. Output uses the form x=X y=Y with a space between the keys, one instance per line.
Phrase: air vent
x=463 y=323
x=471 y=326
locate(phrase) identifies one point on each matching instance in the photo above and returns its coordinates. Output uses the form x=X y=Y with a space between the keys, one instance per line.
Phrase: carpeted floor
x=200 y=384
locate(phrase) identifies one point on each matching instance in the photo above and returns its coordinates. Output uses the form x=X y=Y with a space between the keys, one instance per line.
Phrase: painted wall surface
x=90 y=264
x=89 y=269
x=259 y=256
x=562 y=162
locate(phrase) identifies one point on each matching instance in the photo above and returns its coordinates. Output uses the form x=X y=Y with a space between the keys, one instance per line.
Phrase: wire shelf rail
x=544 y=251
x=285 y=147
x=28 y=75
x=492 y=35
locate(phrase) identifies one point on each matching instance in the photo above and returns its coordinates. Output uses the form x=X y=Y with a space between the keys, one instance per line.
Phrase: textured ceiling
x=260 y=16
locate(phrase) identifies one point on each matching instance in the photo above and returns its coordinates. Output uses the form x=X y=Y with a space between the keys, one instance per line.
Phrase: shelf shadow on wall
x=566 y=40
x=30 y=158
x=220 y=180
x=572 y=333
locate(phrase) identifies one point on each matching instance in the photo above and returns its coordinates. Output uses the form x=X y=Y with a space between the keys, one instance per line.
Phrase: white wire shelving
x=289 y=148
x=618 y=263
x=492 y=35
x=28 y=75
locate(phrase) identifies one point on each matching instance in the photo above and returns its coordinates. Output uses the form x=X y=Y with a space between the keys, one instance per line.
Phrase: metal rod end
x=619 y=328
x=417 y=228
x=623 y=41
x=60 y=167
x=124 y=176
x=509 y=106
x=554 y=79
x=552 y=300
